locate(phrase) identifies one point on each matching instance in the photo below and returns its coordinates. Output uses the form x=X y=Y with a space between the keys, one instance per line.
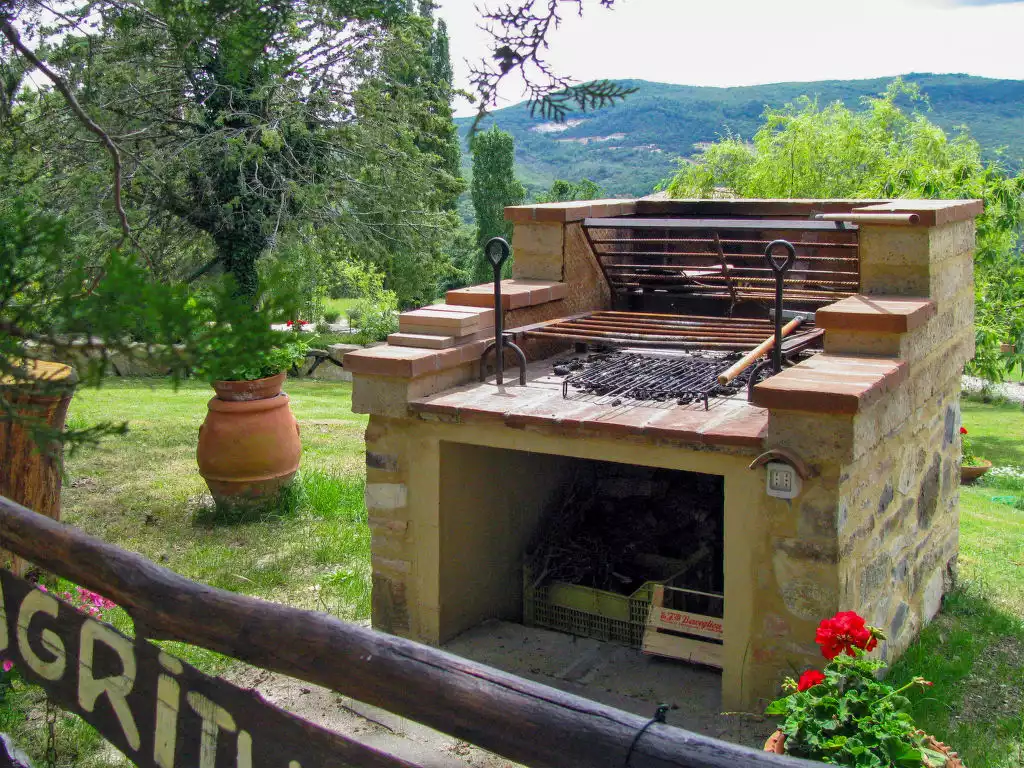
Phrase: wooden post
x=30 y=473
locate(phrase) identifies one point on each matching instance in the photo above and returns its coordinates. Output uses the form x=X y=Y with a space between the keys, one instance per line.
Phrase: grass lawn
x=141 y=492
x=341 y=306
x=996 y=430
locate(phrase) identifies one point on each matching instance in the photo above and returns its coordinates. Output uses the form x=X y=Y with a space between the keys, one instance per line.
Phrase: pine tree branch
x=519 y=39
x=14 y=38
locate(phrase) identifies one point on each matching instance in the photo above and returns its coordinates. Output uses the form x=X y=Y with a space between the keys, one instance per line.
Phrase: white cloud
x=748 y=42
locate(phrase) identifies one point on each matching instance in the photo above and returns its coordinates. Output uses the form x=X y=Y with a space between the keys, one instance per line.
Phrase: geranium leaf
x=778 y=707
x=900 y=703
x=933 y=758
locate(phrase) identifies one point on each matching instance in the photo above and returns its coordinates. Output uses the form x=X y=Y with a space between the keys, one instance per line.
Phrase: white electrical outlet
x=783 y=482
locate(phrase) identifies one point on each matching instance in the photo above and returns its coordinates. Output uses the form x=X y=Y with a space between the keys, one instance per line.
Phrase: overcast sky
x=748 y=42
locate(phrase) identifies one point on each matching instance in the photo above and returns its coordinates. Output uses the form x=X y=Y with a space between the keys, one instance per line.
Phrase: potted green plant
x=249 y=446
x=845 y=715
x=972 y=466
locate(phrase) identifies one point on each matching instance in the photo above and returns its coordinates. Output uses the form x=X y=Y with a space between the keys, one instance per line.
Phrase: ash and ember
x=618 y=526
x=682 y=377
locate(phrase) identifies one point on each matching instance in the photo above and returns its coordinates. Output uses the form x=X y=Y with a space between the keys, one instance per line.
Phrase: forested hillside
x=630 y=147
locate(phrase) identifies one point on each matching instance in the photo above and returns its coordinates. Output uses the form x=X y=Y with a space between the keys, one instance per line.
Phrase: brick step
x=445 y=320
x=829 y=383
x=875 y=314
x=515 y=294
x=432 y=341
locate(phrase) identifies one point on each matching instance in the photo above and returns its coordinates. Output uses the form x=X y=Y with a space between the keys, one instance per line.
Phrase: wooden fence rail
x=518 y=719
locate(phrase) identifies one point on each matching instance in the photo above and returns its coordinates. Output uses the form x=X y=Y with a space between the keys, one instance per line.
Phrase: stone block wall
x=876 y=529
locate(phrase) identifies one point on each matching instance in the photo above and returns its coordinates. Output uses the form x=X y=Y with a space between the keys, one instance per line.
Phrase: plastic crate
x=588 y=612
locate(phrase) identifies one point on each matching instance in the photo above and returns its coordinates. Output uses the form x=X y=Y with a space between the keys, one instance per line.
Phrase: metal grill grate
x=659 y=331
x=630 y=376
x=724 y=258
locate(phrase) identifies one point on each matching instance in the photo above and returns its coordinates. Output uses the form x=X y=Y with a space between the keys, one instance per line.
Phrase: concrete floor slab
x=614 y=675
x=611 y=674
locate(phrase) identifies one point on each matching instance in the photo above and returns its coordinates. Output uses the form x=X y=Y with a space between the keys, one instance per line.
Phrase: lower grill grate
x=621 y=376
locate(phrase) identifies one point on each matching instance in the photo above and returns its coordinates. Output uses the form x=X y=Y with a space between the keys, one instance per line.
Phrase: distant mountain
x=630 y=147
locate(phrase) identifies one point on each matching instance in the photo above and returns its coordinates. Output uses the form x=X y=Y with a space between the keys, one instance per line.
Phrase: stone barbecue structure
x=461 y=471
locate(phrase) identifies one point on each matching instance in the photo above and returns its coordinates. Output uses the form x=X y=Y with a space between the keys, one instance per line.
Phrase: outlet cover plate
x=782 y=482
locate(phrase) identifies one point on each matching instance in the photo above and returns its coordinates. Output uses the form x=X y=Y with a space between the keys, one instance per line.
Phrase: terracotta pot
x=248 y=449
x=776 y=743
x=252 y=389
x=968 y=474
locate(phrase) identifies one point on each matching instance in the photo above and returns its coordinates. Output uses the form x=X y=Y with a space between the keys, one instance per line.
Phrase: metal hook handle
x=780 y=269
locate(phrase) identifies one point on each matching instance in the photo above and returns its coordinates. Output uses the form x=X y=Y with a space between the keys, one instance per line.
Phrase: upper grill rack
x=724 y=258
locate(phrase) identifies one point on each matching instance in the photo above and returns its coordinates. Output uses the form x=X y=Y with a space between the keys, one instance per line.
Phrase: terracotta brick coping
x=878 y=314
x=566 y=212
x=842 y=384
x=515 y=294
x=410 y=362
x=931 y=212
x=729 y=422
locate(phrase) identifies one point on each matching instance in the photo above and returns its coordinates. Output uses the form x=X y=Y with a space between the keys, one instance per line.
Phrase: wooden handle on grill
x=748 y=359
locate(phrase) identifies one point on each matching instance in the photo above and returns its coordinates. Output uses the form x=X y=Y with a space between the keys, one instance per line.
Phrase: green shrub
x=232 y=359
x=375 y=319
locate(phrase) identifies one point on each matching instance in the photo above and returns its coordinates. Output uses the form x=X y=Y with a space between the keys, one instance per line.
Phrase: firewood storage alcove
x=630 y=313
x=582 y=546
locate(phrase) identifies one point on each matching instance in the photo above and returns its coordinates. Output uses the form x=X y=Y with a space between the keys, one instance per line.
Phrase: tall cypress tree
x=494 y=187
x=445 y=141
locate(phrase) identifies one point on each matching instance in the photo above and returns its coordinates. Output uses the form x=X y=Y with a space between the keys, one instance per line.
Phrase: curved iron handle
x=780 y=269
x=505 y=344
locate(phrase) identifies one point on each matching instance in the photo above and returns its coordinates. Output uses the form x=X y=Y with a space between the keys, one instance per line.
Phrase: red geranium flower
x=842 y=633
x=963 y=430
x=809 y=679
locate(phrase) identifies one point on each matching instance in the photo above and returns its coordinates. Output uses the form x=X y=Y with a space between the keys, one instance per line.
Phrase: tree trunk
x=31 y=462
x=239 y=253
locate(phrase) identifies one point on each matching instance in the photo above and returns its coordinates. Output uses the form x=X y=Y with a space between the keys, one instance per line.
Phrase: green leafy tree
x=883 y=151
x=170 y=139
x=566 y=191
x=244 y=125
x=494 y=187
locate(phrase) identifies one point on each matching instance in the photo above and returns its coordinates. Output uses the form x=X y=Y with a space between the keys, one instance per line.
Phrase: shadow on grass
x=322 y=495
x=278 y=507
x=973 y=652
